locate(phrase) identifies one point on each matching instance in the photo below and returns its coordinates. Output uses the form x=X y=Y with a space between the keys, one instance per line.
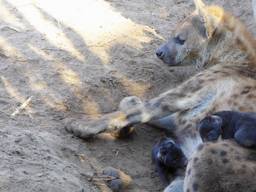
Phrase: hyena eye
x=179 y=40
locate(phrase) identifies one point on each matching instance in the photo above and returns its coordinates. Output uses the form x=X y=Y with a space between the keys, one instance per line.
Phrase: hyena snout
x=167 y=53
x=160 y=52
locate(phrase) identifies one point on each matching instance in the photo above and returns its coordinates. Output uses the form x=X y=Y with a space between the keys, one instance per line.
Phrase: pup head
x=170 y=154
x=210 y=128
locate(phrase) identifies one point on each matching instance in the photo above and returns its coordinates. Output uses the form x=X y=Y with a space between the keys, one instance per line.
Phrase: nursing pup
x=230 y=124
x=168 y=159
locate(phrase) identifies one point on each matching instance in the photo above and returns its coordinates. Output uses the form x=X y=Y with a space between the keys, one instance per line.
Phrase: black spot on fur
x=251 y=156
x=242 y=171
x=187 y=126
x=251 y=96
x=225 y=161
x=197 y=175
x=244 y=166
x=230 y=171
x=188 y=190
x=182 y=122
x=210 y=79
x=223 y=153
x=213 y=151
x=209 y=161
x=195 y=159
x=246 y=90
x=195 y=186
x=189 y=172
x=224 y=73
x=238 y=185
x=165 y=107
x=225 y=144
x=200 y=81
x=200 y=147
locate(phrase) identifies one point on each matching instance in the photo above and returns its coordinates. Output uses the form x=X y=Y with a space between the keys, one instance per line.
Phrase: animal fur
x=228 y=50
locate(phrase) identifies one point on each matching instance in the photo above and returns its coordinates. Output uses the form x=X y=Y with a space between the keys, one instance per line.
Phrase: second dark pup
x=168 y=159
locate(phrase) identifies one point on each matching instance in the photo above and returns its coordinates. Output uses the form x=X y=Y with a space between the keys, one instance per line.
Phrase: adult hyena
x=212 y=37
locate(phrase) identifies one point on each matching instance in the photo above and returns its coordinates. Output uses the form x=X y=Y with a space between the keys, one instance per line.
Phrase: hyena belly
x=186 y=122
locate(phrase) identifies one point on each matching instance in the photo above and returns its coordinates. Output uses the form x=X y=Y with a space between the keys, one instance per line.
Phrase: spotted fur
x=219 y=42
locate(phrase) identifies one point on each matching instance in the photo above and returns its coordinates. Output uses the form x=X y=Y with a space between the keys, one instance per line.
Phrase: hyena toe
x=129 y=102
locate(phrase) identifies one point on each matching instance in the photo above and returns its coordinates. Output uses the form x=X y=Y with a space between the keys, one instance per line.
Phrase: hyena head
x=191 y=37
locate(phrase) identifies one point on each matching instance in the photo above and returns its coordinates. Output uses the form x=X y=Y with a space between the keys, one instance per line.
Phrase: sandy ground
x=81 y=57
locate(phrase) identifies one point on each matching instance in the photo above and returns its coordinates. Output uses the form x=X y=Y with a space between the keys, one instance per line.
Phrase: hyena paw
x=129 y=103
x=84 y=129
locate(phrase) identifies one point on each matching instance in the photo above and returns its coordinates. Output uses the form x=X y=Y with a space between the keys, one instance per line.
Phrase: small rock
x=120 y=180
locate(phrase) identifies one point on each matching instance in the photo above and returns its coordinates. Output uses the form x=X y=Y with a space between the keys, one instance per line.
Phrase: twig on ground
x=98 y=179
x=22 y=107
x=9 y=27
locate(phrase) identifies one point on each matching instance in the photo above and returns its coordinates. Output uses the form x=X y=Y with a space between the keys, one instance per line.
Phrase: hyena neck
x=224 y=49
x=231 y=42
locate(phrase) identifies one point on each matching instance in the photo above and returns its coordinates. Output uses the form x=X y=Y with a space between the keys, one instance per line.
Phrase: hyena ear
x=205 y=21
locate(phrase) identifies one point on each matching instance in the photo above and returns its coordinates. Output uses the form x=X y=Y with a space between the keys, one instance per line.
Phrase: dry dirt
x=82 y=57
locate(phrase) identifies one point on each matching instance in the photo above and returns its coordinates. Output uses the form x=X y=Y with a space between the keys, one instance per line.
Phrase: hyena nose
x=160 y=53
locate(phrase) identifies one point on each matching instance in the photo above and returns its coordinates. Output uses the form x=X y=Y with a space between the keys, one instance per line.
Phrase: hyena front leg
x=166 y=123
x=154 y=109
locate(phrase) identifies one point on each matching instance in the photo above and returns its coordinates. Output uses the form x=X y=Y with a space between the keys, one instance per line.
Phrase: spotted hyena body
x=221 y=167
x=221 y=46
